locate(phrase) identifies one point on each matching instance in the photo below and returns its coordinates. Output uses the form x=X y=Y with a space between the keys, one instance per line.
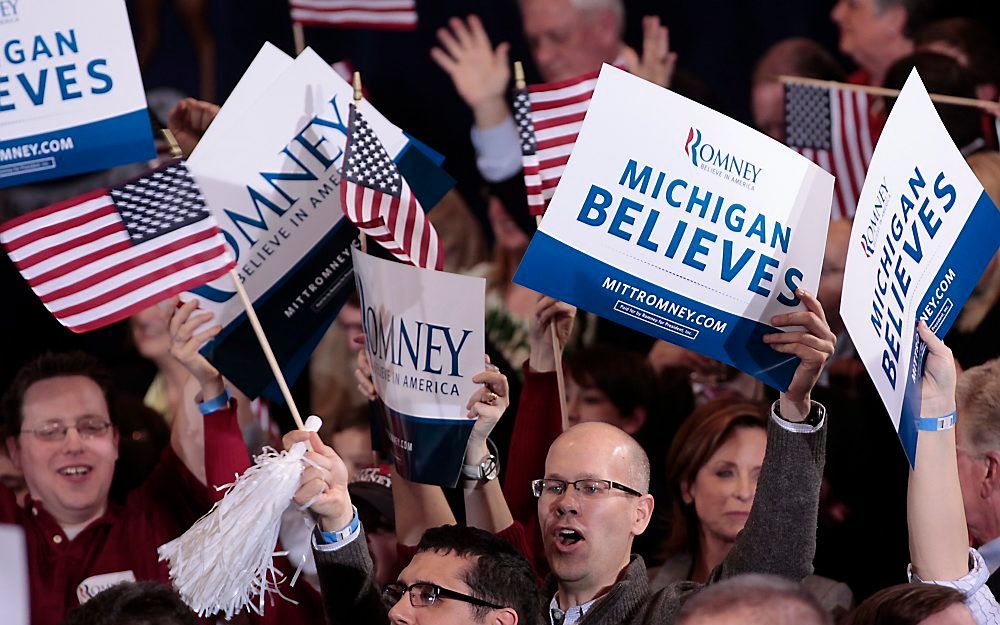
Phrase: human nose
x=73 y=440
x=402 y=612
x=745 y=488
x=568 y=502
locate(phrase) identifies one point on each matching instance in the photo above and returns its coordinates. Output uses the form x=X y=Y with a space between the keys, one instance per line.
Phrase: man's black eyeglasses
x=423 y=594
x=587 y=487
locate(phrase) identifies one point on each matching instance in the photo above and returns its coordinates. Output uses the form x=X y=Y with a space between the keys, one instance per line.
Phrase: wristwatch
x=487 y=470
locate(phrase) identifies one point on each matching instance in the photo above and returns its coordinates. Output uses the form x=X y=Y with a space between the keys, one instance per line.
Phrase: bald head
x=602 y=440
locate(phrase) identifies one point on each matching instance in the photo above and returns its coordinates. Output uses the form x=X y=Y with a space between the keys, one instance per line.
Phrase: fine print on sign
x=681 y=223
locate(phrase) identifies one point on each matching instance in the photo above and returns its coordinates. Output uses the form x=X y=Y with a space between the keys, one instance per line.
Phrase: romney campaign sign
x=71 y=98
x=679 y=222
x=425 y=342
x=269 y=170
x=922 y=236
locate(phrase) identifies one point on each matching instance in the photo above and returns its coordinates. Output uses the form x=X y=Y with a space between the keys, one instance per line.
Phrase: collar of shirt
x=570 y=616
x=991 y=553
x=51 y=527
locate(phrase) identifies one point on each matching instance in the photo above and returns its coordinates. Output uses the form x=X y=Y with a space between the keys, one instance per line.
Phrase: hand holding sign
x=937 y=389
x=486 y=405
x=813 y=346
x=323 y=486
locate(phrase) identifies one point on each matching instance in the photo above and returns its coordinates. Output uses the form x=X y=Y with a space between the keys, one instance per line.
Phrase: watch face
x=490 y=468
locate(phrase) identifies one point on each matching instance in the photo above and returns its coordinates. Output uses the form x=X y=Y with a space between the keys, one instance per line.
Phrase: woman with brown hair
x=712 y=468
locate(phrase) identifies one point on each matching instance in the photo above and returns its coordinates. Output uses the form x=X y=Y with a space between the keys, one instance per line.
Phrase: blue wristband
x=936 y=424
x=216 y=403
x=336 y=537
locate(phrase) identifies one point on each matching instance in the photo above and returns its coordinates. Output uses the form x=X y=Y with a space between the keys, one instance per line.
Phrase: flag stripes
x=549 y=117
x=830 y=127
x=90 y=269
x=371 y=14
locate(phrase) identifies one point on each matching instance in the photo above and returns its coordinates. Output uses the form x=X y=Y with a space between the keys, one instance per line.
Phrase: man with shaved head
x=594 y=500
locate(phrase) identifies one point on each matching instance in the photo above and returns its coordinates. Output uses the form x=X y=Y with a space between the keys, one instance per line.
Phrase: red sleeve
x=537 y=424
x=225 y=452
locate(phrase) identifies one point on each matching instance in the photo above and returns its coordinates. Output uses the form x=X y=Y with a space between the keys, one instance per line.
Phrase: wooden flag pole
x=520 y=83
x=357 y=102
x=268 y=354
x=299 y=37
x=175 y=150
x=882 y=91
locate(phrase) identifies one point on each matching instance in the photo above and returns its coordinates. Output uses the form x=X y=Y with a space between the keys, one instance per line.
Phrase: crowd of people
x=678 y=490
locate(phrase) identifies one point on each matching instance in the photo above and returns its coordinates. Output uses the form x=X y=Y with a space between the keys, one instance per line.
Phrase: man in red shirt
x=62 y=435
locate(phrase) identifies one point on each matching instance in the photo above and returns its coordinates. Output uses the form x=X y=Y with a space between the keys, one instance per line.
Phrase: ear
x=506 y=616
x=14 y=451
x=686 y=495
x=117 y=438
x=991 y=481
x=643 y=514
x=634 y=422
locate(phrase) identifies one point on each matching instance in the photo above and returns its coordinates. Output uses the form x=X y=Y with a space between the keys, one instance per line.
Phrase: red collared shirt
x=121 y=545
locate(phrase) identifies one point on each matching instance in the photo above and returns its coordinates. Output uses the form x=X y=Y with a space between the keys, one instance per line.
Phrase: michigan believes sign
x=681 y=223
x=71 y=98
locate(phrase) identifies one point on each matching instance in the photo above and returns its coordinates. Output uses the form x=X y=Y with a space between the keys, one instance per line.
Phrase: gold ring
x=491 y=398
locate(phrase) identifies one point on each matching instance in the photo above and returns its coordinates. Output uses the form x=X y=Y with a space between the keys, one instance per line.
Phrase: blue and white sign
x=681 y=223
x=71 y=98
x=269 y=169
x=923 y=235
x=425 y=342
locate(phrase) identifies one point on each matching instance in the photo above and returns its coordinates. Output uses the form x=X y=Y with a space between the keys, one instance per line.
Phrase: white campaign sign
x=71 y=98
x=922 y=236
x=679 y=222
x=425 y=342
x=268 y=168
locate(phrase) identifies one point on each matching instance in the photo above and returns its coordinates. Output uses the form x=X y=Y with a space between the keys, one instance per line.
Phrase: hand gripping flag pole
x=530 y=172
x=225 y=561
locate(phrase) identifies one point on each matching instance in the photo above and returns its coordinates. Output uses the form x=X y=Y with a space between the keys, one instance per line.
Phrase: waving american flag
x=377 y=199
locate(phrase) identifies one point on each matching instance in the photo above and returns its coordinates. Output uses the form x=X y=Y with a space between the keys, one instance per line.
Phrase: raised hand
x=937 y=391
x=488 y=403
x=185 y=343
x=657 y=62
x=548 y=312
x=479 y=72
x=813 y=346
x=189 y=120
x=323 y=485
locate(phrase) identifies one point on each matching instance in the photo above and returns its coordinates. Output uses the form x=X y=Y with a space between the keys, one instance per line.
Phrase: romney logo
x=720 y=162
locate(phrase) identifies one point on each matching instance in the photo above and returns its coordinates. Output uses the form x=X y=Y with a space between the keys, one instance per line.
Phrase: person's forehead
x=445 y=570
x=587 y=456
x=542 y=15
x=63 y=397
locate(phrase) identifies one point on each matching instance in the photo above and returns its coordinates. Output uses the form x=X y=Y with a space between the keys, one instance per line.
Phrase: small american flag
x=549 y=117
x=829 y=126
x=106 y=255
x=377 y=199
x=372 y=14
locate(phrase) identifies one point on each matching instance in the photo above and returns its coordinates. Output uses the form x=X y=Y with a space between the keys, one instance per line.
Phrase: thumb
x=501 y=54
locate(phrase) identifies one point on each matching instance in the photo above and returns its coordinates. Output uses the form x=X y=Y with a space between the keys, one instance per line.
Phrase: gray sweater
x=779 y=538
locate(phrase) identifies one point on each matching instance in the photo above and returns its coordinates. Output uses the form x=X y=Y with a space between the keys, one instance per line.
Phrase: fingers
x=493 y=381
x=477 y=34
x=442 y=58
x=812 y=304
x=462 y=32
x=181 y=315
x=805 y=338
x=450 y=43
x=935 y=345
x=501 y=55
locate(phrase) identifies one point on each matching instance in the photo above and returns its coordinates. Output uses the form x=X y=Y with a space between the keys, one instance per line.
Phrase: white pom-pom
x=225 y=561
